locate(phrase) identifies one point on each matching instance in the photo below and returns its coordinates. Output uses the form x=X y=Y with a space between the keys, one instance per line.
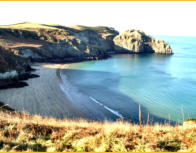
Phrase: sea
x=160 y=87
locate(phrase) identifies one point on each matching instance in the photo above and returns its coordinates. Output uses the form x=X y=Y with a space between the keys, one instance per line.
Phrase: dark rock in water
x=135 y=41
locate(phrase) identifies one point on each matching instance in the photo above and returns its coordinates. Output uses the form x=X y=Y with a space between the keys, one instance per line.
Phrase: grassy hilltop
x=24 y=132
x=41 y=42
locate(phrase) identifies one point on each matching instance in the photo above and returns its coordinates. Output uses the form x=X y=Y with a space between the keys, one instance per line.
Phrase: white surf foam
x=109 y=109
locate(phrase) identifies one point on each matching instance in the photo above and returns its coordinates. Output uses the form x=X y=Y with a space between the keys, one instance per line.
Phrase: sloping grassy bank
x=24 y=132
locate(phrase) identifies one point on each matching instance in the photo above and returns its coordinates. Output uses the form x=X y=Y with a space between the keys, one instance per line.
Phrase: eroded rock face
x=55 y=42
x=12 y=66
x=135 y=41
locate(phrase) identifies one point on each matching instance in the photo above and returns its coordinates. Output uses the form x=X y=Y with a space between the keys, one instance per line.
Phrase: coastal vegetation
x=24 y=132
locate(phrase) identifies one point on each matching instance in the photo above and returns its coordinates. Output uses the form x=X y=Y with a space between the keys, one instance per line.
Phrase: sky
x=154 y=18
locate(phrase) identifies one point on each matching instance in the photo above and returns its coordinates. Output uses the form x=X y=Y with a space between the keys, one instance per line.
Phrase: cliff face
x=54 y=42
x=11 y=66
x=135 y=41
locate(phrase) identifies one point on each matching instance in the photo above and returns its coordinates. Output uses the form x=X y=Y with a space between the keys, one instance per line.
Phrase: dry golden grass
x=24 y=132
x=13 y=42
x=27 y=25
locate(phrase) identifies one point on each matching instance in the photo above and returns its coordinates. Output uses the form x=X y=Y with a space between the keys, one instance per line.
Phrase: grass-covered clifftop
x=24 y=132
x=42 y=42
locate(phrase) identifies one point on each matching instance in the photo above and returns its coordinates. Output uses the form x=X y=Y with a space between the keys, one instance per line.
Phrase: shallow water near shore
x=164 y=85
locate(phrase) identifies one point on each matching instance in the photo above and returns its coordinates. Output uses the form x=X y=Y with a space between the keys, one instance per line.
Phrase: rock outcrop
x=12 y=66
x=135 y=41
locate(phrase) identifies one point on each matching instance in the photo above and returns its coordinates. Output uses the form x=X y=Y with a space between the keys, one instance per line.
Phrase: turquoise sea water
x=164 y=85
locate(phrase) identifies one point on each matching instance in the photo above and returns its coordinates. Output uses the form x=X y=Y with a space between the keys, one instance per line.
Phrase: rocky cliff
x=11 y=66
x=56 y=43
x=41 y=42
x=135 y=41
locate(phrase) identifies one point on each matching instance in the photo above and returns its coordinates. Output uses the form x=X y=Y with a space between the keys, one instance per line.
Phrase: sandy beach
x=42 y=95
x=53 y=94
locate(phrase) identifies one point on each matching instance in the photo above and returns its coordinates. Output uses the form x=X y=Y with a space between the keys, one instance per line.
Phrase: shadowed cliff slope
x=55 y=43
x=10 y=62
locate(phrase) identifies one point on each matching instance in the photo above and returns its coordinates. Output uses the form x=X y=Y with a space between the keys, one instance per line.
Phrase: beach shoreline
x=42 y=95
x=53 y=94
x=87 y=104
x=47 y=95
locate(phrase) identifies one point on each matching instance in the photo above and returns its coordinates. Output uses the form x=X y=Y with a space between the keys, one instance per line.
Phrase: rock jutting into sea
x=135 y=41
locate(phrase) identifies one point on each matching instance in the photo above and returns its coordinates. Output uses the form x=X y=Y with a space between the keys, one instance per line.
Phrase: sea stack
x=136 y=41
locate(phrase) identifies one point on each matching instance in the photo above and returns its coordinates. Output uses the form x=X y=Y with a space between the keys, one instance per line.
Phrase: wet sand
x=42 y=95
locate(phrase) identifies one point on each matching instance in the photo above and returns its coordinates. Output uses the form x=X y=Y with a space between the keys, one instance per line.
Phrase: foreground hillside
x=23 y=132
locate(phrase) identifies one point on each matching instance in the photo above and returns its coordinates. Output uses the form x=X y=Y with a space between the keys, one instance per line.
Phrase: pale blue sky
x=155 y=18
